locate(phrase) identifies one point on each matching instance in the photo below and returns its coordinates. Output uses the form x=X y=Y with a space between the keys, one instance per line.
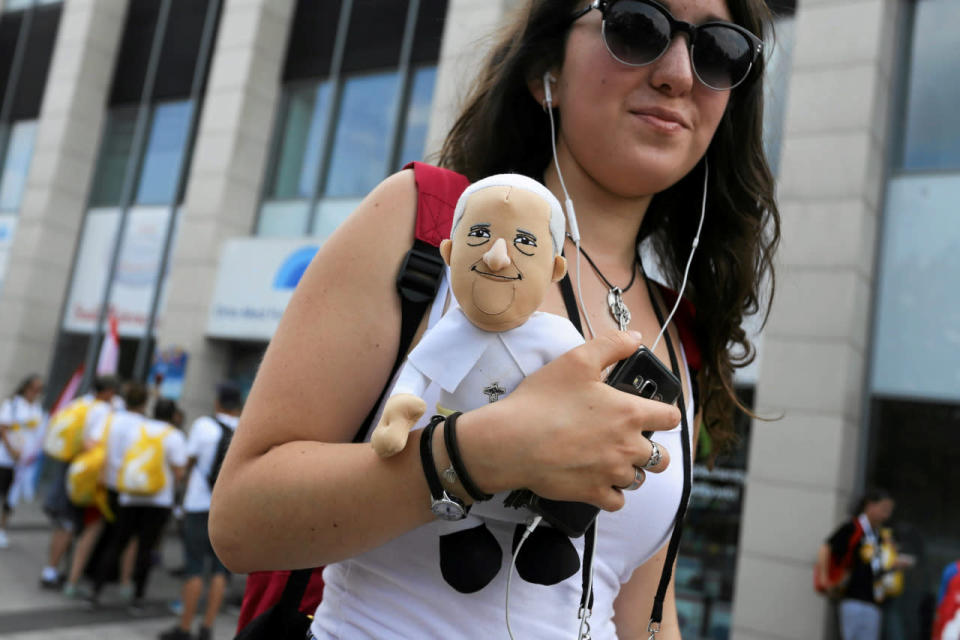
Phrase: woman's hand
x=564 y=433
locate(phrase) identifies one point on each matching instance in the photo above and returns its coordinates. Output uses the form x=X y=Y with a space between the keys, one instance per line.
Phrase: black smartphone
x=642 y=374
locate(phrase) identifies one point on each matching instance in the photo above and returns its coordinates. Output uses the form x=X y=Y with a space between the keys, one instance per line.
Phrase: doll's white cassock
x=473 y=367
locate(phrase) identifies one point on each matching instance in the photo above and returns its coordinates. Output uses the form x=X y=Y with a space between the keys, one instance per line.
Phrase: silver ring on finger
x=638 y=477
x=655 y=456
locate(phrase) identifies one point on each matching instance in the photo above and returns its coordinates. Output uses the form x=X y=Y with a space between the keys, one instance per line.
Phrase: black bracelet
x=453 y=451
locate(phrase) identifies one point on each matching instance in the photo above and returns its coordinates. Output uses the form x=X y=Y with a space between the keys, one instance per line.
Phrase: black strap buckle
x=419 y=275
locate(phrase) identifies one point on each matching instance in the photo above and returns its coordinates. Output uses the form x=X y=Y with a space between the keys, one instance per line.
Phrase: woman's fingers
x=609 y=348
x=656 y=461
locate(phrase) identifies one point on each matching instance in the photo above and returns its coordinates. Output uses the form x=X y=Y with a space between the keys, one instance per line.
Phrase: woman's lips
x=658 y=123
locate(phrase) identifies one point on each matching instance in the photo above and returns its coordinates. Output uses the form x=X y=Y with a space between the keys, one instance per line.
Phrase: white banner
x=254 y=283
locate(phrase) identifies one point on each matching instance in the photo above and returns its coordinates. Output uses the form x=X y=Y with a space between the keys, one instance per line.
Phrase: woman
x=632 y=143
x=21 y=420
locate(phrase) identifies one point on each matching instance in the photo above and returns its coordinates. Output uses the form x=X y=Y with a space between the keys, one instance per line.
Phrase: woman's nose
x=673 y=71
x=496 y=258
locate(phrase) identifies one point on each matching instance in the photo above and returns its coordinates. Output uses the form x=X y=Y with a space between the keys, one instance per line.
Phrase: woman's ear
x=543 y=89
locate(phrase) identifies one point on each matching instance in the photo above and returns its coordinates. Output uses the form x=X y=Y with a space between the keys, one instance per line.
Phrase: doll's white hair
x=558 y=222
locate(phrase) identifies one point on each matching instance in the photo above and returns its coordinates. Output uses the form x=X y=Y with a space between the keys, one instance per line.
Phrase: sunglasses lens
x=635 y=32
x=722 y=56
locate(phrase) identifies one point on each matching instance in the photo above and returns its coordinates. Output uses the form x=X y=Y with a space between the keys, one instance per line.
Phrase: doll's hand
x=400 y=413
x=567 y=435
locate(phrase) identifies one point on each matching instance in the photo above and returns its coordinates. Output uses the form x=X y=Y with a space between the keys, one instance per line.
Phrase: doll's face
x=501 y=257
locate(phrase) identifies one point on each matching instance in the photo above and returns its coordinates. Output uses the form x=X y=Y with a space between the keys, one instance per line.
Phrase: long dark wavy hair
x=502 y=129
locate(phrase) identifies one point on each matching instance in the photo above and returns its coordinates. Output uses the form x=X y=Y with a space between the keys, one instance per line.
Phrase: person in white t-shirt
x=205 y=439
x=90 y=524
x=140 y=516
x=21 y=420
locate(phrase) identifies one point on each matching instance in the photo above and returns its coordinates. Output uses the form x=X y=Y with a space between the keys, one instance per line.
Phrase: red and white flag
x=69 y=390
x=109 y=350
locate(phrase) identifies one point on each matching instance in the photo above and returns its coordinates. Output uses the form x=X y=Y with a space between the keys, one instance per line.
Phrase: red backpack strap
x=437 y=193
x=686 y=321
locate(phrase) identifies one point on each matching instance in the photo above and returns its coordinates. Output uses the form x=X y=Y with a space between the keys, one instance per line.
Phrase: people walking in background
x=91 y=521
x=149 y=457
x=21 y=430
x=946 y=623
x=206 y=446
x=859 y=566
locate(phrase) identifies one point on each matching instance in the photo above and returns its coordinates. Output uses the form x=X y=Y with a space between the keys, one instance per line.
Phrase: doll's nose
x=496 y=258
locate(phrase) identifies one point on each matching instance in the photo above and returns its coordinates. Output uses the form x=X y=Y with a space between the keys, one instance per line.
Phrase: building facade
x=177 y=163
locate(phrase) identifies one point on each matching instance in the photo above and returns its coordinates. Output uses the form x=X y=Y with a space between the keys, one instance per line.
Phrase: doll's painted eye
x=525 y=243
x=479 y=232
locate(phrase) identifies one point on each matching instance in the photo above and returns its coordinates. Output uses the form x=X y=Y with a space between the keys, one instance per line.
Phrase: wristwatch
x=442 y=504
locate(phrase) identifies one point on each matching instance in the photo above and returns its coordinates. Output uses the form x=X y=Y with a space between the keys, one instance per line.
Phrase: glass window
x=361 y=144
x=913 y=454
x=16 y=164
x=138 y=266
x=418 y=115
x=283 y=218
x=114 y=155
x=8 y=228
x=917 y=339
x=90 y=269
x=17 y=5
x=779 y=64
x=164 y=153
x=932 y=131
x=302 y=142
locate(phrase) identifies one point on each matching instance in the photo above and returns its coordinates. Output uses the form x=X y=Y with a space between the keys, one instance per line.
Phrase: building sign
x=255 y=280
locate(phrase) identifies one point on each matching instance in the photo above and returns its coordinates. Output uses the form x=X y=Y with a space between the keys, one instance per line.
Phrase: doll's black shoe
x=469 y=558
x=546 y=557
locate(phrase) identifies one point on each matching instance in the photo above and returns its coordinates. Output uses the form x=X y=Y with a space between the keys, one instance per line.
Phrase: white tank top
x=397 y=591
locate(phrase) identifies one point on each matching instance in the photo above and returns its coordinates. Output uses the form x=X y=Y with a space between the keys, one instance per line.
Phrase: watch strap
x=426 y=458
x=453 y=451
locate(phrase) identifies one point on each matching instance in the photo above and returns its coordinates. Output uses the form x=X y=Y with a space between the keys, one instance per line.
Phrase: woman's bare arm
x=289 y=489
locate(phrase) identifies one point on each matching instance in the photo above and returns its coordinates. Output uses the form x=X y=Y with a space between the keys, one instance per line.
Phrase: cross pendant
x=493 y=392
x=618 y=309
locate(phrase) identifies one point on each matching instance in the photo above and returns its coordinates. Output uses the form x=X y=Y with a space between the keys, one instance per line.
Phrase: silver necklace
x=618 y=308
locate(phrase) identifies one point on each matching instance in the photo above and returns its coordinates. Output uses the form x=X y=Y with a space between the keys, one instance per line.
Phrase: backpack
x=838 y=570
x=226 y=435
x=64 y=439
x=141 y=472
x=83 y=474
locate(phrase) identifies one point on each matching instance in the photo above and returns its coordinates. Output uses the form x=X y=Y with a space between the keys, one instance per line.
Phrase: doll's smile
x=495 y=276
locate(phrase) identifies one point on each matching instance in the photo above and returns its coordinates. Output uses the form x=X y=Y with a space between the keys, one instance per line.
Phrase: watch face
x=447 y=509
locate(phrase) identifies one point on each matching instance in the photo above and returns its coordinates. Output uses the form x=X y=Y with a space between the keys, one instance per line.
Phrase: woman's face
x=636 y=130
x=33 y=390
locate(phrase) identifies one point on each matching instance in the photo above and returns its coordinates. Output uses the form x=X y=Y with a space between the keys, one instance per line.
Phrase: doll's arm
x=400 y=413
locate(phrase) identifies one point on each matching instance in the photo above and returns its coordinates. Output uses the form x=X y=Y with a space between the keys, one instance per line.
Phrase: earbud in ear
x=548 y=95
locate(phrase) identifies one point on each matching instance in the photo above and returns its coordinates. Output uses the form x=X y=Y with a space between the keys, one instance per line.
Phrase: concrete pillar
x=468 y=33
x=54 y=201
x=225 y=180
x=804 y=468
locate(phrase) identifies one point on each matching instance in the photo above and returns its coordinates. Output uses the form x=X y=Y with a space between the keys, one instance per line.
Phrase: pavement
x=28 y=612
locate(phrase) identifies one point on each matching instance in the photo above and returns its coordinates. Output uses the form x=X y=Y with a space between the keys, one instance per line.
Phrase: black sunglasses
x=638 y=32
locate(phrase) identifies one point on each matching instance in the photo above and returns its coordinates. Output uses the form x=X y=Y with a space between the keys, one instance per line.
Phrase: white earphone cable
x=686 y=271
x=568 y=203
x=526 y=534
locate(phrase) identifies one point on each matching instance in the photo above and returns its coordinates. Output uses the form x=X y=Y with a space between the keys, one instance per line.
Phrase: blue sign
x=292 y=269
